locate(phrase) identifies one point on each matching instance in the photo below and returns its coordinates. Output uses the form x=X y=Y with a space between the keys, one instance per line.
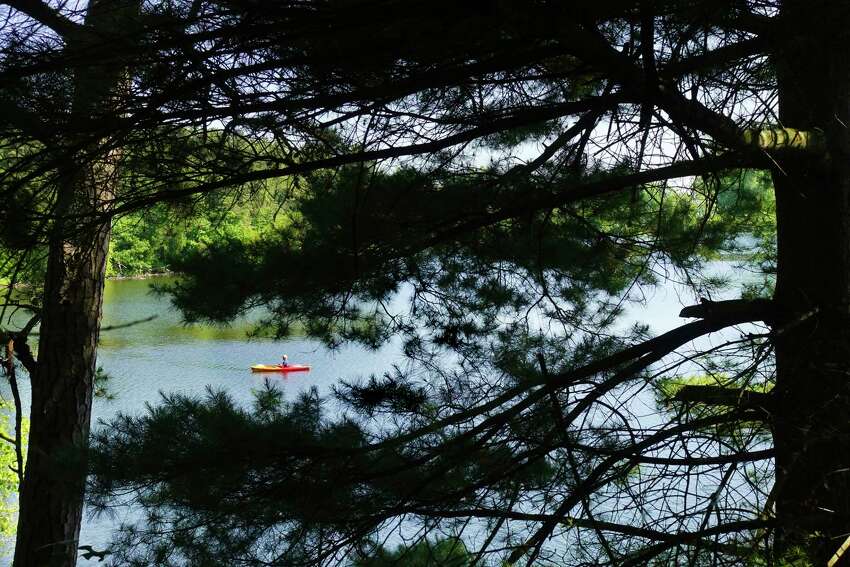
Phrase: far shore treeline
x=152 y=241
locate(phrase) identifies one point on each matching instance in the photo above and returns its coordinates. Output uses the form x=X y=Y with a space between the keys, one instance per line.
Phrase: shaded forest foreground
x=520 y=173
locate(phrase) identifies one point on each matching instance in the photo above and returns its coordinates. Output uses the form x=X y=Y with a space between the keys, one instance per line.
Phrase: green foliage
x=667 y=387
x=186 y=442
x=738 y=433
x=444 y=552
x=8 y=477
x=154 y=239
x=101 y=385
x=233 y=250
x=204 y=460
x=402 y=232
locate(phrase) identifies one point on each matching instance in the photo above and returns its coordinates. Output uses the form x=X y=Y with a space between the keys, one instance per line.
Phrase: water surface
x=145 y=357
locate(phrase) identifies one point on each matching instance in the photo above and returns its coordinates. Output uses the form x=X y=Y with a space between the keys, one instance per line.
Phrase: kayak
x=279 y=368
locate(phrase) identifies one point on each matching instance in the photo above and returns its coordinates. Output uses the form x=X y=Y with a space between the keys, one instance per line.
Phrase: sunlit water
x=164 y=355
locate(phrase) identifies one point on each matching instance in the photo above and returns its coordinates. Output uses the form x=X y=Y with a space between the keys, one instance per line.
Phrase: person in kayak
x=285 y=362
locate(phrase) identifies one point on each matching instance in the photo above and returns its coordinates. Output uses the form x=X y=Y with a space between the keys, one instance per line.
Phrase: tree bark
x=812 y=394
x=52 y=493
x=51 y=498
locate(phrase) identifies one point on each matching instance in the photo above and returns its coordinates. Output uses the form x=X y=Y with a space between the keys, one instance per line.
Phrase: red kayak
x=279 y=368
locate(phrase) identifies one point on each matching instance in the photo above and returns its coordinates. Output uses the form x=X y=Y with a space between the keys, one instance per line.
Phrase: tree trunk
x=51 y=499
x=811 y=425
x=52 y=495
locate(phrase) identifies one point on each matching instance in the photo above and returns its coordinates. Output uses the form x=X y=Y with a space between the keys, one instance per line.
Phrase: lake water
x=164 y=355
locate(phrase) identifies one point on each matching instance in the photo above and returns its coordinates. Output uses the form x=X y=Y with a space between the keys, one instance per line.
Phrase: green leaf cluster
x=443 y=552
x=8 y=477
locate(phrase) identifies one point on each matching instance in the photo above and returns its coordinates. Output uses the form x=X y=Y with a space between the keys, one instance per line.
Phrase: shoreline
x=143 y=276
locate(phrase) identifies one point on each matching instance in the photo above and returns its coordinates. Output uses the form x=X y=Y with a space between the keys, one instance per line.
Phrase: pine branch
x=683 y=538
x=600 y=476
x=753 y=309
x=721 y=57
x=45 y=14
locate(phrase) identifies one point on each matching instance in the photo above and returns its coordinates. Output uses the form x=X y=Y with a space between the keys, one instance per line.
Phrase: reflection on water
x=151 y=321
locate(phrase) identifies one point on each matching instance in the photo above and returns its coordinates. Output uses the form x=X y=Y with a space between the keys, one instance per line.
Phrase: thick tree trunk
x=51 y=499
x=52 y=495
x=811 y=425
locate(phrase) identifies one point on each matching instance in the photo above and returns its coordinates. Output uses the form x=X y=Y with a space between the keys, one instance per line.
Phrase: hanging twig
x=13 y=382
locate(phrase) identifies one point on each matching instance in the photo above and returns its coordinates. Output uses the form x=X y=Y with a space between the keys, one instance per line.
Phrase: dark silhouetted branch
x=752 y=309
x=46 y=15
